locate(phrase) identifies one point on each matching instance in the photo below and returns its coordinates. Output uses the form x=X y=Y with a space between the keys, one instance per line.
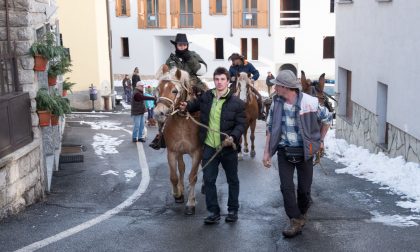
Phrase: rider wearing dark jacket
x=239 y=65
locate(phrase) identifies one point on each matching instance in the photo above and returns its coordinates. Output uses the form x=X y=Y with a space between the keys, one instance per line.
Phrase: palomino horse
x=244 y=92
x=180 y=134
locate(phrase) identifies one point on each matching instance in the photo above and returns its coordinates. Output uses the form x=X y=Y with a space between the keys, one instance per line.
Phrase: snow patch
x=105 y=125
x=96 y=116
x=104 y=144
x=125 y=105
x=395 y=220
x=394 y=174
x=112 y=172
x=129 y=174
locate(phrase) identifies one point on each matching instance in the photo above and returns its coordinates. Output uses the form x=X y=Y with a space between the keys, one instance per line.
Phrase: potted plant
x=44 y=105
x=67 y=86
x=58 y=66
x=60 y=107
x=42 y=51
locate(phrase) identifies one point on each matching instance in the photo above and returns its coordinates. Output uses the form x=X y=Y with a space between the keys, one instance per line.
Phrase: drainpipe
x=231 y=18
x=269 y=18
x=109 y=53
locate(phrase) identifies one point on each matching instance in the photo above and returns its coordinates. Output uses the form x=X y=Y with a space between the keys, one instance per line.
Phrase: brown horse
x=316 y=89
x=180 y=134
x=243 y=91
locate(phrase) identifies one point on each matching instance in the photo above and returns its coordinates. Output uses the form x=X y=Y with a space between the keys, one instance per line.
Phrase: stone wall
x=362 y=131
x=21 y=179
x=23 y=173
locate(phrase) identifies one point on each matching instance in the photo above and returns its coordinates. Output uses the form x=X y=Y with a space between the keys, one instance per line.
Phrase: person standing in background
x=136 y=77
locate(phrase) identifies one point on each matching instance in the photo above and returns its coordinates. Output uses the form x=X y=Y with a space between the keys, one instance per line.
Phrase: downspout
x=269 y=18
x=109 y=53
x=231 y=18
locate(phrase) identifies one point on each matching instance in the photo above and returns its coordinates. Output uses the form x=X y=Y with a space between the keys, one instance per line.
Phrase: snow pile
x=129 y=174
x=104 y=144
x=394 y=174
x=394 y=220
x=110 y=172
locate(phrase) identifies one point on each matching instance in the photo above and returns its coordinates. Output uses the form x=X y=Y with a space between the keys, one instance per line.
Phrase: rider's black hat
x=180 y=38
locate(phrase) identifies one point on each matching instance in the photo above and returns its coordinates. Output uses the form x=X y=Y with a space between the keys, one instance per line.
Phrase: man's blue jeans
x=228 y=157
x=138 y=126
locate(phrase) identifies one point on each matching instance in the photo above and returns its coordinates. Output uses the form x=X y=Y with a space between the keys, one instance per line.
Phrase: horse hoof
x=252 y=153
x=246 y=150
x=180 y=199
x=240 y=157
x=189 y=210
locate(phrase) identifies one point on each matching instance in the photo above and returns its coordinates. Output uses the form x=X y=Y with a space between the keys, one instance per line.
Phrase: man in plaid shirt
x=296 y=127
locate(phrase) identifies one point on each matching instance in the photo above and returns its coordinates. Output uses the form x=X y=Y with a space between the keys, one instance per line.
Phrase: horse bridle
x=169 y=103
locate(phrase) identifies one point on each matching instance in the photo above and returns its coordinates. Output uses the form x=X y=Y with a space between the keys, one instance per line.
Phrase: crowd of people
x=296 y=127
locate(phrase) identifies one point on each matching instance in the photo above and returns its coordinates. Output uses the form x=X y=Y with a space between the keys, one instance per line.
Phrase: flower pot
x=54 y=120
x=52 y=80
x=64 y=93
x=40 y=63
x=44 y=118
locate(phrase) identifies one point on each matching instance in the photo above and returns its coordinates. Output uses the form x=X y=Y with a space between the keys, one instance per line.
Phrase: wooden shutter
x=224 y=7
x=197 y=13
x=174 y=13
x=118 y=8
x=162 y=13
x=127 y=6
x=142 y=17
x=237 y=13
x=212 y=4
x=254 y=48
x=262 y=13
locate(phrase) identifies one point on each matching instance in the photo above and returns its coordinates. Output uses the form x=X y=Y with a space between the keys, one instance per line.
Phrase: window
x=244 y=47
x=219 y=48
x=254 y=48
x=122 y=8
x=328 y=47
x=125 y=47
x=345 y=108
x=152 y=14
x=381 y=110
x=332 y=6
x=250 y=14
x=290 y=13
x=186 y=13
x=290 y=45
x=218 y=7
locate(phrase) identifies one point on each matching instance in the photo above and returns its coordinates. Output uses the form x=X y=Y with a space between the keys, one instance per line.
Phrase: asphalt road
x=339 y=219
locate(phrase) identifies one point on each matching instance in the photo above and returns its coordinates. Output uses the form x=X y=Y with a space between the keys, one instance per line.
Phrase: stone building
x=377 y=69
x=28 y=153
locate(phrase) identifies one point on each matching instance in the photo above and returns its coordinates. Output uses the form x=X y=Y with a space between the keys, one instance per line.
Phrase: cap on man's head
x=235 y=56
x=180 y=38
x=286 y=78
x=139 y=84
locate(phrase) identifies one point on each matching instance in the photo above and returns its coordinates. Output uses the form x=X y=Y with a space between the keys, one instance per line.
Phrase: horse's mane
x=164 y=73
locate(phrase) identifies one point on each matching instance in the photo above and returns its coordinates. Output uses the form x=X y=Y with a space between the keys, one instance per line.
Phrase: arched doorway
x=288 y=67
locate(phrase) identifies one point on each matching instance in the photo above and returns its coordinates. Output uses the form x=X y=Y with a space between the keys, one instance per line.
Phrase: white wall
x=148 y=50
x=378 y=42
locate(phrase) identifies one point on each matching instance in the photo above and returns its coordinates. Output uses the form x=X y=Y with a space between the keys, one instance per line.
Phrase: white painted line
x=144 y=183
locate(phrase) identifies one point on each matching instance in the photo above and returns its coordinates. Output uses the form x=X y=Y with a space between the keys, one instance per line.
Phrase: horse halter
x=169 y=103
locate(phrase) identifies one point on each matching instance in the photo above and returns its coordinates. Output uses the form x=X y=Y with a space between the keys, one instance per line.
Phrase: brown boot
x=295 y=228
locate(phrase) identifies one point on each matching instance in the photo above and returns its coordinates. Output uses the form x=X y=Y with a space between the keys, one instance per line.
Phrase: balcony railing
x=290 y=18
x=249 y=19
x=186 y=20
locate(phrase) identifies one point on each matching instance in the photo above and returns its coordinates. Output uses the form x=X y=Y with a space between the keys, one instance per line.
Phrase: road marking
x=144 y=183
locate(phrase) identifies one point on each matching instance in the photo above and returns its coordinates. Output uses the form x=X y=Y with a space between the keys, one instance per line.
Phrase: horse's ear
x=321 y=82
x=305 y=85
x=165 y=68
x=178 y=74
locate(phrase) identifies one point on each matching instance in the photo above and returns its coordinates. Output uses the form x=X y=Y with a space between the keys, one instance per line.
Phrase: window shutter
x=127 y=4
x=224 y=7
x=118 y=8
x=262 y=14
x=142 y=18
x=212 y=7
x=237 y=13
x=174 y=13
x=162 y=13
x=197 y=13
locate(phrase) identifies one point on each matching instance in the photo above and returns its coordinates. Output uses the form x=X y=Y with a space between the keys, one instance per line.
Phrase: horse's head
x=173 y=87
x=242 y=86
x=314 y=88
